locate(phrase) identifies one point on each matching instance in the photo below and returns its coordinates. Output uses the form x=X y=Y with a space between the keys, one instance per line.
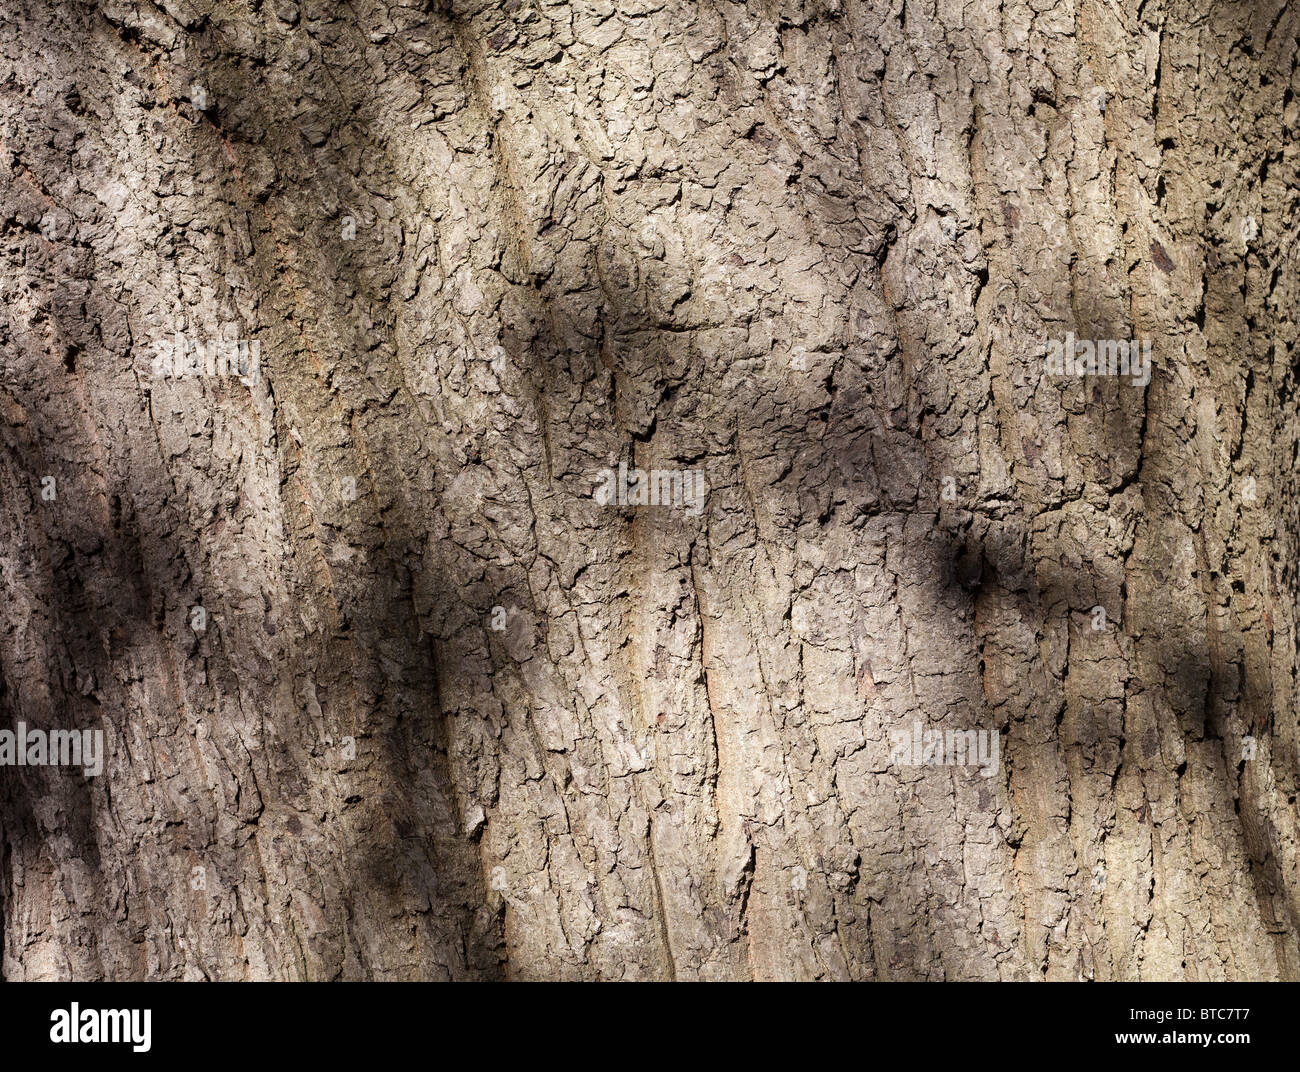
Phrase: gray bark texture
x=447 y=715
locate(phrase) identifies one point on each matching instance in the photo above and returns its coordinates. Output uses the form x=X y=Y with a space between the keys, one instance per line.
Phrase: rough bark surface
x=812 y=248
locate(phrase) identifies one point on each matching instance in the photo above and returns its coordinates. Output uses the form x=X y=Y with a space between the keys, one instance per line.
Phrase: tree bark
x=445 y=714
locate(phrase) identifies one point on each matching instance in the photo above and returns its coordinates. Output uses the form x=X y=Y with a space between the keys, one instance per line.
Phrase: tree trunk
x=393 y=685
